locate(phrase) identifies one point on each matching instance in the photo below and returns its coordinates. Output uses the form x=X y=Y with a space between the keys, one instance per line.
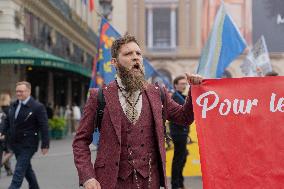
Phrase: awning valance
x=20 y=53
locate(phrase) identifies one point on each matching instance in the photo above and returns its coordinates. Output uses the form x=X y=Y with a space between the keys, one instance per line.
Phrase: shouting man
x=131 y=152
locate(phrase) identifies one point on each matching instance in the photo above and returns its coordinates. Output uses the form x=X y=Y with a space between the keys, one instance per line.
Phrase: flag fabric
x=103 y=72
x=85 y=2
x=240 y=132
x=224 y=44
x=151 y=72
x=92 y=5
x=257 y=62
x=248 y=67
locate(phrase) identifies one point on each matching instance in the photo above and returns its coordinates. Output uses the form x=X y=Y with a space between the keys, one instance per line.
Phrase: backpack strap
x=100 y=108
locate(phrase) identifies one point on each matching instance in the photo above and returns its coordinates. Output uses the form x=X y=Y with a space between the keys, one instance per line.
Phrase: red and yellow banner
x=240 y=128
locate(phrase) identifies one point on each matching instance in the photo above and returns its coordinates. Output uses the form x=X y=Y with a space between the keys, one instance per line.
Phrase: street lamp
x=106 y=8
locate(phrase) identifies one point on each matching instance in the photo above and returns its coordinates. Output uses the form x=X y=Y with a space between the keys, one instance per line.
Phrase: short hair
x=272 y=73
x=178 y=78
x=27 y=84
x=121 y=41
x=5 y=99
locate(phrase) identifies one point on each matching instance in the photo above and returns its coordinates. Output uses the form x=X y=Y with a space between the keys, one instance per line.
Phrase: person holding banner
x=131 y=151
x=179 y=134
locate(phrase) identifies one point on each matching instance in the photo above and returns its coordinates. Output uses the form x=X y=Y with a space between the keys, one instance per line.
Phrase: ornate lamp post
x=106 y=8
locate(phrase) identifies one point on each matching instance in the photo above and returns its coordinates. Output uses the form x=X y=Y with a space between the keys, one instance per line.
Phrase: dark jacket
x=24 y=131
x=3 y=114
x=175 y=128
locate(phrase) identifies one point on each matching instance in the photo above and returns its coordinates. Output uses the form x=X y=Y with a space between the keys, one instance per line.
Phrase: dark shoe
x=9 y=172
x=8 y=169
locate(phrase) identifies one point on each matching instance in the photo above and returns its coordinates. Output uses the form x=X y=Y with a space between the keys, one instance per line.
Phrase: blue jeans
x=24 y=168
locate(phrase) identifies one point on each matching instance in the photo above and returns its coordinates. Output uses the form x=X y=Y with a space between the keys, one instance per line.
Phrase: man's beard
x=131 y=81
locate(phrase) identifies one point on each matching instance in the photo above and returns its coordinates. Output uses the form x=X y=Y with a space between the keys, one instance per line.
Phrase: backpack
x=100 y=114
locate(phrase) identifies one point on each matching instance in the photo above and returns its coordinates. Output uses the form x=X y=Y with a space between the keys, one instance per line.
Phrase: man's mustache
x=137 y=66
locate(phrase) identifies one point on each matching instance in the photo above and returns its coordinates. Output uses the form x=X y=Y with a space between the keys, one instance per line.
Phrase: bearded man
x=131 y=152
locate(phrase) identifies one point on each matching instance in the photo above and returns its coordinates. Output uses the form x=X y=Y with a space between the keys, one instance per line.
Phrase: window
x=161 y=28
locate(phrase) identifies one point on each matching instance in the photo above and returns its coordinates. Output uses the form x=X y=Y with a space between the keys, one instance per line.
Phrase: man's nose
x=134 y=57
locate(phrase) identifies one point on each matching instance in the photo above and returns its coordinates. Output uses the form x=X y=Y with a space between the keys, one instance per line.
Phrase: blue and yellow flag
x=225 y=43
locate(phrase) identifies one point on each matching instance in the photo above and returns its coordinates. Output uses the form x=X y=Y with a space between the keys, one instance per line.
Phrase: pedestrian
x=131 y=152
x=26 y=121
x=6 y=152
x=76 y=117
x=179 y=134
x=49 y=111
x=68 y=118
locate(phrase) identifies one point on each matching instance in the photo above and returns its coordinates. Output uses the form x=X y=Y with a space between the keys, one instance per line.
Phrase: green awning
x=20 y=53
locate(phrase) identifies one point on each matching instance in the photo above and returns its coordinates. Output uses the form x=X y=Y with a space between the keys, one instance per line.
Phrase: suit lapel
x=13 y=110
x=114 y=107
x=154 y=96
x=24 y=112
x=153 y=93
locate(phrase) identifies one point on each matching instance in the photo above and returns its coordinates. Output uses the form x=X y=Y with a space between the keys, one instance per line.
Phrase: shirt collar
x=24 y=102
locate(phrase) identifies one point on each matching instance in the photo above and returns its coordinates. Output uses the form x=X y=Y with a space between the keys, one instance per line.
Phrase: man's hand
x=2 y=137
x=44 y=151
x=194 y=79
x=92 y=184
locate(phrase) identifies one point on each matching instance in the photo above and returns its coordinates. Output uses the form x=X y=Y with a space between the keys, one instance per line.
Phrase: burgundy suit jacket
x=106 y=166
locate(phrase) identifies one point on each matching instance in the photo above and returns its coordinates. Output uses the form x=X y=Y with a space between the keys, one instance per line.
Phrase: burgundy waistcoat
x=138 y=143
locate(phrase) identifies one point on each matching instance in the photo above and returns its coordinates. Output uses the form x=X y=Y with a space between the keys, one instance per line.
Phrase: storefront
x=54 y=80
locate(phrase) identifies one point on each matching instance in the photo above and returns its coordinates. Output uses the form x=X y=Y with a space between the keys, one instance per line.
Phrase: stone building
x=173 y=32
x=50 y=43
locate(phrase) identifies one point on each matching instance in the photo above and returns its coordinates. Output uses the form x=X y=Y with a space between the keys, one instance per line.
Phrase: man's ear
x=114 y=62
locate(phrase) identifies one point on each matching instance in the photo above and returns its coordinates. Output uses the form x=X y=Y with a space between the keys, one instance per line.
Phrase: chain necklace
x=131 y=113
x=135 y=173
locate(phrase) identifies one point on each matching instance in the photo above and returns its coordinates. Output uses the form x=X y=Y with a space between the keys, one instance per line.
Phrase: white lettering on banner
x=239 y=106
x=205 y=108
x=279 y=106
x=280 y=19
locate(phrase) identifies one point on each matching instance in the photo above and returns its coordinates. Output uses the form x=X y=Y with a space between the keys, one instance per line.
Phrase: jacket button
x=144 y=159
x=116 y=163
x=141 y=131
x=142 y=145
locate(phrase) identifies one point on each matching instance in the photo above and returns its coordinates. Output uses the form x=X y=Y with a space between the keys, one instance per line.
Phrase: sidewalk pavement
x=57 y=171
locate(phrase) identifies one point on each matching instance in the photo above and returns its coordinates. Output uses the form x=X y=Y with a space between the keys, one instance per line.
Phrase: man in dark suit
x=26 y=119
x=131 y=152
x=179 y=134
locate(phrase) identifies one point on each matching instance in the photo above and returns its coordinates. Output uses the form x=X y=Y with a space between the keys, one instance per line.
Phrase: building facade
x=173 y=32
x=51 y=44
